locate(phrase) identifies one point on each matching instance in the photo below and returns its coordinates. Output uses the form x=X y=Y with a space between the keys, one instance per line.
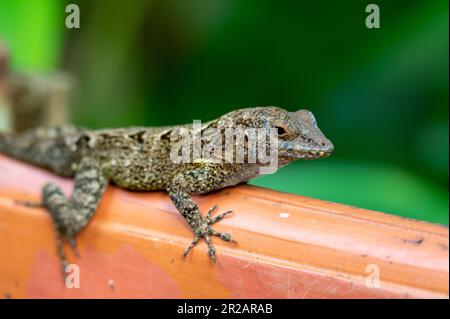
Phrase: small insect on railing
x=288 y=246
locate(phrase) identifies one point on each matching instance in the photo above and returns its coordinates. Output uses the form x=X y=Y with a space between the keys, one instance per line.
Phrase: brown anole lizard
x=139 y=158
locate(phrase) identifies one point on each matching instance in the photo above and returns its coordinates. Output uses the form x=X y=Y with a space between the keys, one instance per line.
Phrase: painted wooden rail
x=289 y=246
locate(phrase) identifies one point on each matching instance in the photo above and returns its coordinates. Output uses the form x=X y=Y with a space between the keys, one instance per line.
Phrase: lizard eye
x=281 y=131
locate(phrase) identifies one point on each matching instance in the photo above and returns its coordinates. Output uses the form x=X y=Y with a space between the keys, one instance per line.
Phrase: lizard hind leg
x=71 y=215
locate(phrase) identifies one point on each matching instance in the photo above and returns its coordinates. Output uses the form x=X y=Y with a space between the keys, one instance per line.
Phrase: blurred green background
x=381 y=95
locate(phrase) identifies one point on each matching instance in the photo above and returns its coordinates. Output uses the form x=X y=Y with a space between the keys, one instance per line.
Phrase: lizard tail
x=50 y=148
x=20 y=145
x=5 y=142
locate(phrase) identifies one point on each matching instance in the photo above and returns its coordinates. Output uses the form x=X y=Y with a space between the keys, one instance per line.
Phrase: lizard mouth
x=304 y=155
x=314 y=154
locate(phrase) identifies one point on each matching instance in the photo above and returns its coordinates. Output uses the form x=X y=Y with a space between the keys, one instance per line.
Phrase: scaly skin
x=138 y=158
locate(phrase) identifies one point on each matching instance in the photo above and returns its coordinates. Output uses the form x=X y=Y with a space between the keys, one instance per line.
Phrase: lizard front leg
x=71 y=215
x=198 y=181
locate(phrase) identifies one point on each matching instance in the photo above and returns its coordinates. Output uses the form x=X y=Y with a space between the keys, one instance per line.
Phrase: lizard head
x=300 y=138
x=297 y=133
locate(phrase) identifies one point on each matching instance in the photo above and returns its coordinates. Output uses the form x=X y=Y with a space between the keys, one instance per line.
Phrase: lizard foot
x=61 y=237
x=205 y=231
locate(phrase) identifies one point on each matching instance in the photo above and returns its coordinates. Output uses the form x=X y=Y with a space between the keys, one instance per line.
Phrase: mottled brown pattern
x=138 y=158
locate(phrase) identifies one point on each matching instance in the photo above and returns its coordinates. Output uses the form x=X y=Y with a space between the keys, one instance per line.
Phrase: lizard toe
x=192 y=245
x=216 y=218
x=73 y=244
x=223 y=236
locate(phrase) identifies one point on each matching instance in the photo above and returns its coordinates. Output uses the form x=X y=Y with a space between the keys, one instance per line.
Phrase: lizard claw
x=205 y=230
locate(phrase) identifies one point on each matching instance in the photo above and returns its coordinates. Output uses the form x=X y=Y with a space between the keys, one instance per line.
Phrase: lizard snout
x=326 y=147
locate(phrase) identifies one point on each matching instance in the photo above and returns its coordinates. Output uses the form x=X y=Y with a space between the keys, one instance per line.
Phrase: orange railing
x=289 y=246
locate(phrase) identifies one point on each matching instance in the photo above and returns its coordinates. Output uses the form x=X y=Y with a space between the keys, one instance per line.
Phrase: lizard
x=138 y=159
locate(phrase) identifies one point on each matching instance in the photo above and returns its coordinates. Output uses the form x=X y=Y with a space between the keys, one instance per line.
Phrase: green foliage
x=380 y=95
x=381 y=187
x=33 y=32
